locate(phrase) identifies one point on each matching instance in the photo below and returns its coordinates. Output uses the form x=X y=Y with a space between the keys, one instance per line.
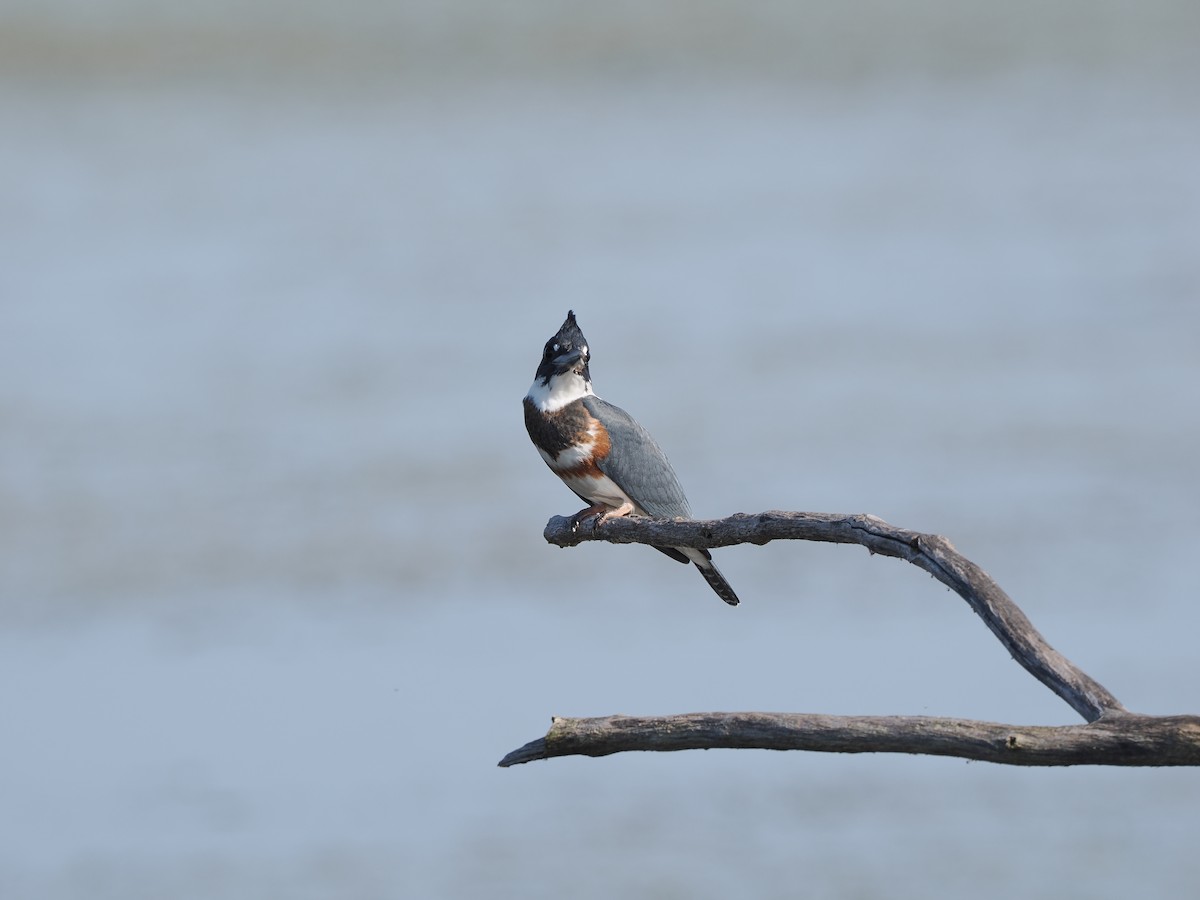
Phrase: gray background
x=273 y=593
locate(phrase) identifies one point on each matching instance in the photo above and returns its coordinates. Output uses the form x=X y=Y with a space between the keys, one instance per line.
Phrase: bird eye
x=556 y=348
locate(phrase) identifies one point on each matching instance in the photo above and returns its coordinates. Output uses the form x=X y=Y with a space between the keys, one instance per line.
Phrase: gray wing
x=637 y=464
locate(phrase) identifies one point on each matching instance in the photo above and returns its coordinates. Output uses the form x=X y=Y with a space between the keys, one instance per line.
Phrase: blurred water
x=273 y=590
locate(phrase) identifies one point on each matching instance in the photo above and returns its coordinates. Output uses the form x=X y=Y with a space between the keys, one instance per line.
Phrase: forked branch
x=1112 y=737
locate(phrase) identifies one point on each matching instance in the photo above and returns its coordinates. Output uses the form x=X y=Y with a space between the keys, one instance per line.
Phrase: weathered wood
x=930 y=552
x=1111 y=737
x=1115 y=739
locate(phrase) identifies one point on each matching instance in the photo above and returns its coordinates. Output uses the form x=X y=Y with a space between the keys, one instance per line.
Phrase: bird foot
x=599 y=512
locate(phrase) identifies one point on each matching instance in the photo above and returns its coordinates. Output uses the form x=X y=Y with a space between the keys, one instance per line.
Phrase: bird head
x=566 y=354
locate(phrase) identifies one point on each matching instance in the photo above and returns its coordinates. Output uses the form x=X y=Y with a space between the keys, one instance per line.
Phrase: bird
x=601 y=452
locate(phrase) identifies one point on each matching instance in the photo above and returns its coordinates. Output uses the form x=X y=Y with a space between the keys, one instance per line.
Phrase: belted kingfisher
x=599 y=451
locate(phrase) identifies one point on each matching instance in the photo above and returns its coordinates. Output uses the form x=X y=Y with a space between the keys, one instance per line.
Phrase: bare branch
x=1115 y=739
x=1112 y=736
x=930 y=552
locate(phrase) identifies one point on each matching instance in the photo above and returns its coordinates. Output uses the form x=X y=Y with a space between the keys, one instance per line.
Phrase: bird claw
x=598 y=516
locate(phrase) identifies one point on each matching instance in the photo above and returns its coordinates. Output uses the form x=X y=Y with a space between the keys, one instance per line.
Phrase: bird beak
x=566 y=360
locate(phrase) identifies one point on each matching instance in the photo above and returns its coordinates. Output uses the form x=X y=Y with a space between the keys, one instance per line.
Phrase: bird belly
x=599 y=489
x=577 y=464
x=578 y=456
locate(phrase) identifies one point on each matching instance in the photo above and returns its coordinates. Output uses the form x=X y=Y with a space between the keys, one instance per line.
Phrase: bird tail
x=703 y=561
x=717 y=582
